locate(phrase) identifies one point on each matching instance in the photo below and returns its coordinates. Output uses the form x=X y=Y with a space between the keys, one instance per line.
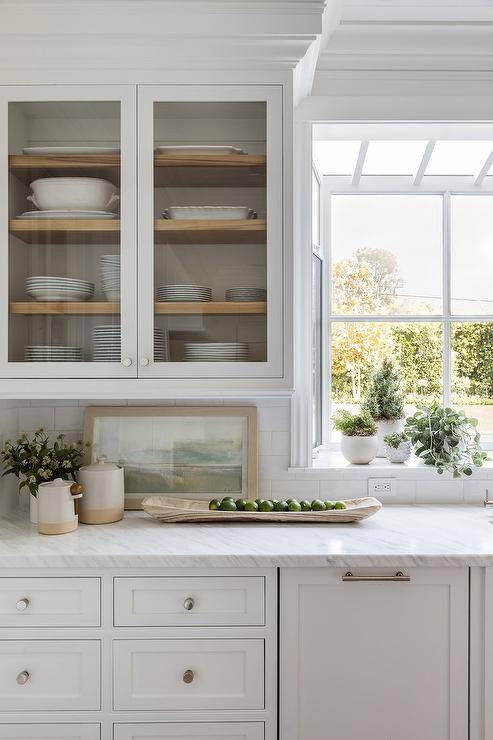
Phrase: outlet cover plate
x=382 y=487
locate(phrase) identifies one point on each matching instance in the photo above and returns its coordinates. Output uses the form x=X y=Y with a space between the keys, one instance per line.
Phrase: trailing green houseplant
x=445 y=439
x=385 y=402
x=359 y=441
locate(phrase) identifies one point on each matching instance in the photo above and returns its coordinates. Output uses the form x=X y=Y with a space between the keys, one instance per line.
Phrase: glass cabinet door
x=68 y=219
x=210 y=205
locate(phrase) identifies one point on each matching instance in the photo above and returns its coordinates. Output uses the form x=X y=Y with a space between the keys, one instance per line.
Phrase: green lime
x=294 y=505
x=258 y=501
x=281 y=506
x=266 y=506
x=305 y=505
x=214 y=504
x=240 y=504
x=329 y=505
x=288 y=500
x=318 y=505
x=227 y=498
x=251 y=506
x=340 y=505
x=274 y=501
x=228 y=505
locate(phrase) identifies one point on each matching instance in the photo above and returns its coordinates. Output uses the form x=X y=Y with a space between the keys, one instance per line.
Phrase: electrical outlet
x=381 y=487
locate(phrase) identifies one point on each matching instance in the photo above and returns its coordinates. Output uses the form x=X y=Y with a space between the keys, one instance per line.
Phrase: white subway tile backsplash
x=273 y=418
x=69 y=418
x=280 y=443
x=283 y=489
x=342 y=489
x=274 y=466
x=443 y=491
x=475 y=491
x=34 y=417
x=264 y=442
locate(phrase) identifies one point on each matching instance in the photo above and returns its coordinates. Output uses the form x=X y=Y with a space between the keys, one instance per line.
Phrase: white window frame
x=333 y=185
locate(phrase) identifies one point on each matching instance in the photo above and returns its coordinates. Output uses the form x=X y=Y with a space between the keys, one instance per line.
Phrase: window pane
x=336 y=157
x=315 y=211
x=458 y=157
x=472 y=372
x=317 y=350
x=393 y=157
x=358 y=348
x=386 y=254
x=472 y=254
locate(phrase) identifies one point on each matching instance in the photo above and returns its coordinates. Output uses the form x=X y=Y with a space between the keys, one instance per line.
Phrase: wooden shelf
x=27 y=167
x=66 y=231
x=210 y=170
x=177 y=231
x=95 y=308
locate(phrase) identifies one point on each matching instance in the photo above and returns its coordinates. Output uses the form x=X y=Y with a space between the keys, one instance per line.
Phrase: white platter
x=65 y=150
x=200 y=149
x=77 y=215
x=222 y=213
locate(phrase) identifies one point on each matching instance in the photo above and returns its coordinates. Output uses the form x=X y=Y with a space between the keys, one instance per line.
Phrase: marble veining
x=398 y=535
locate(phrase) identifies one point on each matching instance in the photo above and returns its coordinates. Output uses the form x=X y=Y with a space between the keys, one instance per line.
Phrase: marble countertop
x=397 y=535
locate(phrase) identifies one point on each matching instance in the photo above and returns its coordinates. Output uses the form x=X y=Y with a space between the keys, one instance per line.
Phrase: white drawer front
x=203 y=601
x=151 y=674
x=49 y=602
x=49 y=732
x=191 y=731
x=49 y=675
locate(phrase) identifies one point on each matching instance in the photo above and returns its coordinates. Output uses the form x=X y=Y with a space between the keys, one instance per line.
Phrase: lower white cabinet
x=188 y=674
x=36 y=731
x=49 y=602
x=374 y=659
x=190 y=731
x=45 y=675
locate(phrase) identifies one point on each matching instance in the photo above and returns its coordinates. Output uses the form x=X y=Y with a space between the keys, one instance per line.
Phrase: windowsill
x=331 y=464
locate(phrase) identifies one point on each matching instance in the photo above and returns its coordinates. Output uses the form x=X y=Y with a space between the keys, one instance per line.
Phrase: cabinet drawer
x=49 y=732
x=181 y=602
x=188 y=674
x=191 y=731
x=49 y=675
x=49 y=602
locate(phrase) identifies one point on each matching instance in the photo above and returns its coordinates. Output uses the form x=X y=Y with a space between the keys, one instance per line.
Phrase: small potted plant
x=385 y=403
x=37 y=460
x=359 y=441
x=445 y=439
x=397 y=447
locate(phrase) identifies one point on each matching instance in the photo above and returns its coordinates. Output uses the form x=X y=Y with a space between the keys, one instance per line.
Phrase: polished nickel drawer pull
x=398 y=577
x=188 y=604
x=23 y=677
x=22 y=605
x=188 y=676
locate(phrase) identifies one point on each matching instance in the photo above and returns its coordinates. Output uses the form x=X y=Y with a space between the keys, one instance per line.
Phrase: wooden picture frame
x=217 y=464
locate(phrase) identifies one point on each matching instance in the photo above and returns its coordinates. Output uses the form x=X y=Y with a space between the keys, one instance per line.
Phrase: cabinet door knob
x=23 y=677
x=22 y=605
x=144 y=361
x=188 y=604
x=188 y=676
x=127 y=361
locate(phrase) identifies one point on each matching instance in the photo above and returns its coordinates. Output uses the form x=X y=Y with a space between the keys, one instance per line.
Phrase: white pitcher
x=56 y=510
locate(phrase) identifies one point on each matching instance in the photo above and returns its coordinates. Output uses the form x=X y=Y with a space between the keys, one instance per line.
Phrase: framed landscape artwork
x=197 y=452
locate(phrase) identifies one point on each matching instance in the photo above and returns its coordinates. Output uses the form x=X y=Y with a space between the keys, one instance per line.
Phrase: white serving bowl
x=73 y=193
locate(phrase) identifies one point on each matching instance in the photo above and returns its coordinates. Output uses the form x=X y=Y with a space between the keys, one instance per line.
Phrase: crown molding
x=412 y=11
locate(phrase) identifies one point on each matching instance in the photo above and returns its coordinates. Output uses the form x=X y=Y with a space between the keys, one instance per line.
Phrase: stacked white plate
x=109 y=267
x=64 y=150
x=41 y=215
x=246 y=294
x=52 y=353
x=199 y=149
x=215 y=352
x=183 y=293
x=106 y=342
x=47 y=288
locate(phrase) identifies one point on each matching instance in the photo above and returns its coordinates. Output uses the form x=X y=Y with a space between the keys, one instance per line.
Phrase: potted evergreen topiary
x=359 y=436
x=385 y=403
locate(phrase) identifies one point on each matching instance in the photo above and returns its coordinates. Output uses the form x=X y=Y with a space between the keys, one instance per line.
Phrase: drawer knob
x=188 y=676
x=188 y=604
x=23 y=677
x=22 y=605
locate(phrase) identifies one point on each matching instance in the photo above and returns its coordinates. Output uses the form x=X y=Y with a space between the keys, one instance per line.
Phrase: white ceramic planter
x=384 y=428
x=398 y=454
x=33 y=509
x=359 y=450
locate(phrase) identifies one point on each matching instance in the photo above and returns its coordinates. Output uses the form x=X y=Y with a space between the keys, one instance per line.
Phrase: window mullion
x=447 y=347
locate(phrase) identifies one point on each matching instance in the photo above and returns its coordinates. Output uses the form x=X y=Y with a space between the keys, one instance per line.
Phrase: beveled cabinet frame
x=272 y=96
x=126 y=95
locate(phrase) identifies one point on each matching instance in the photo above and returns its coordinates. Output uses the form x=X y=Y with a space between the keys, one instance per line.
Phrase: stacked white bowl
x=215 y=352
x=109 y=268
x=52 y=353
x=106 y=343
x=183 y=293
x=89 y=197
x=48 y=288
x=246 y=294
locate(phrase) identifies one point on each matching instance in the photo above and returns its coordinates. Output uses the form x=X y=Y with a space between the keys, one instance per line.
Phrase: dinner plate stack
x=215 y=352
x=106 y=343
x=246 y=294
x=52 y=353
x=183 y=293
x=109 y=267
x=47 y=288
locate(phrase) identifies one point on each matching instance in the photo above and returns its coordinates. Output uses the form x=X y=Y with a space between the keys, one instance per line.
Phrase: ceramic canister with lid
x=103 y=492
x=56 y=511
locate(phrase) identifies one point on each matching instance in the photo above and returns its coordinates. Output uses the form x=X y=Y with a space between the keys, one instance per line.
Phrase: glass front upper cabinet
x=210 y=200
x=68 y=256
